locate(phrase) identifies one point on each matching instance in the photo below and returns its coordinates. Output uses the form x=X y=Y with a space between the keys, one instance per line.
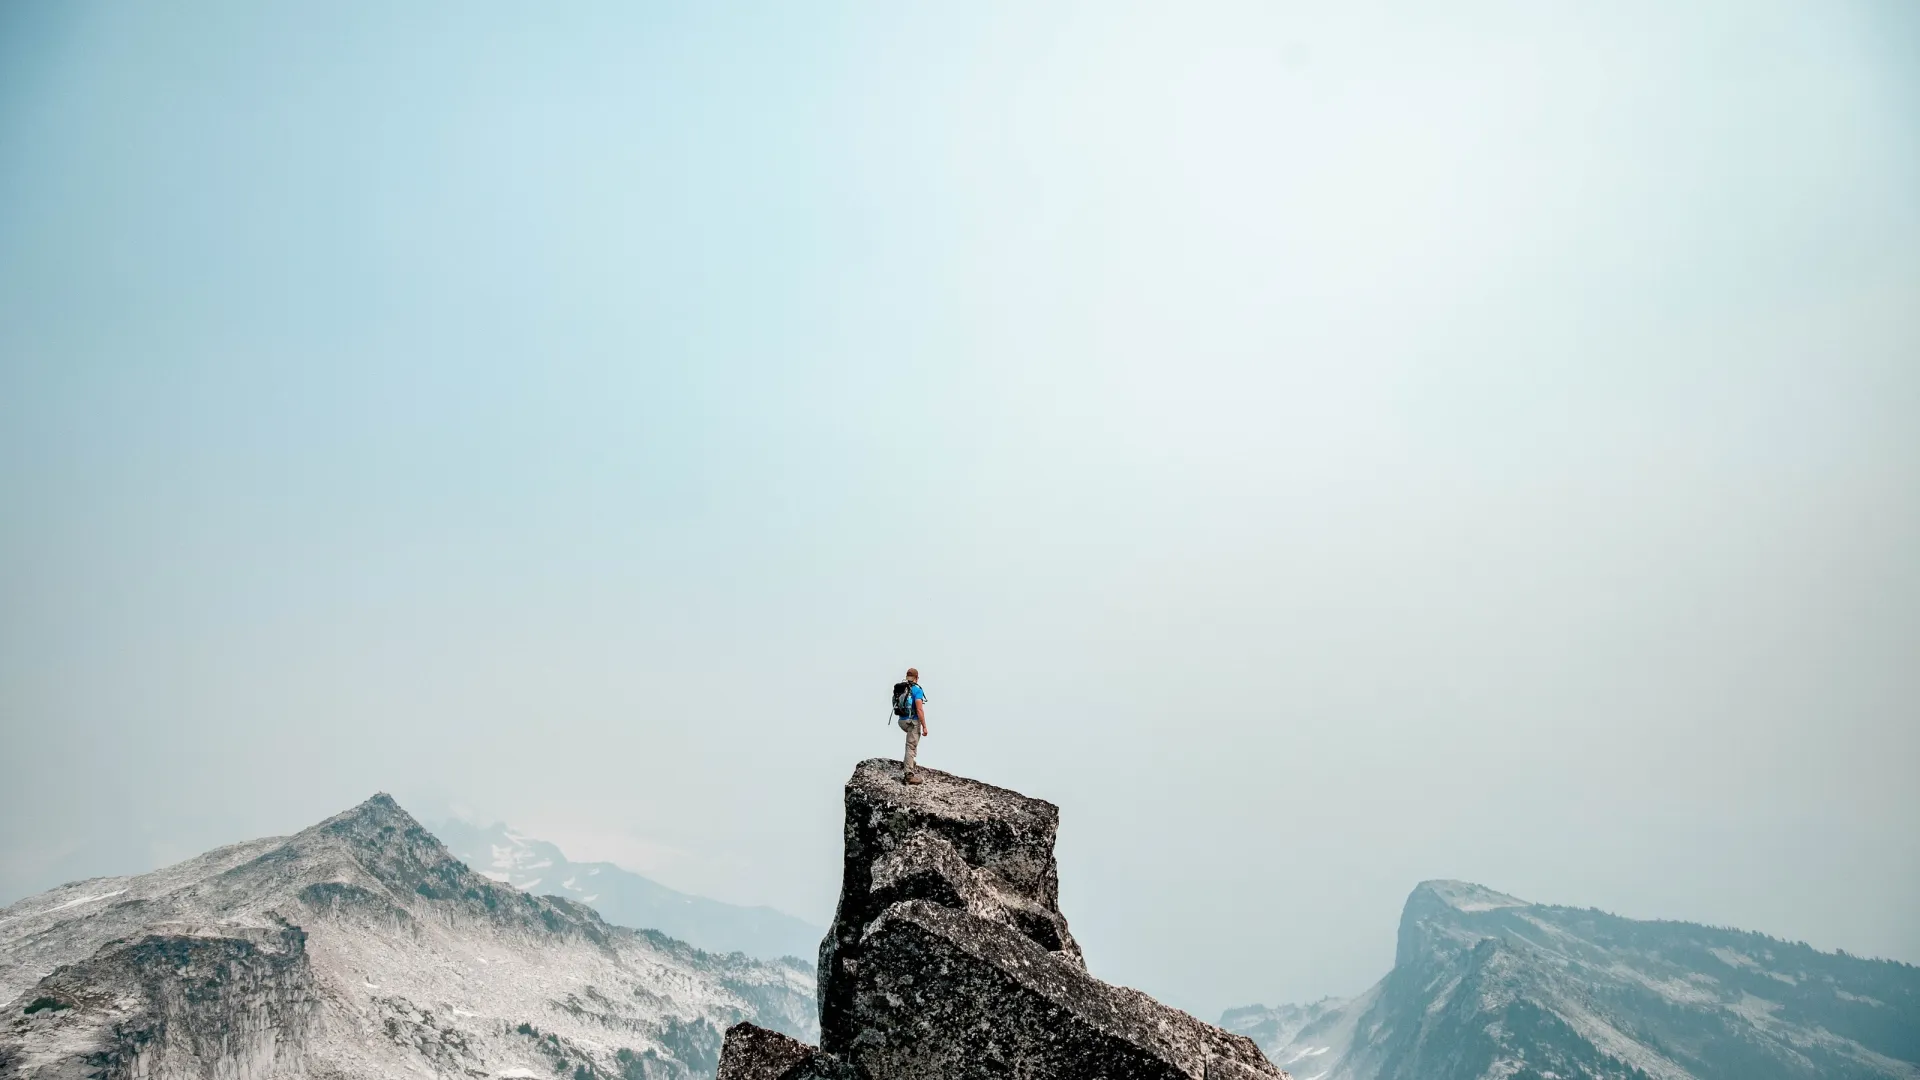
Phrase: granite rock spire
x=949 y=957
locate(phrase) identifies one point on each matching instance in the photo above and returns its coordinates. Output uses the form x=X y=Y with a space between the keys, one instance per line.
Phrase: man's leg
x=913 y=746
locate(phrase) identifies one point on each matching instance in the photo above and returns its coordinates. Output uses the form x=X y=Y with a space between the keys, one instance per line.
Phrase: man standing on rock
x=914 y=724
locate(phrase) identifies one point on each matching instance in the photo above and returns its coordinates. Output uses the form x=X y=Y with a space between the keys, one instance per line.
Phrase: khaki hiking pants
x=912 y=727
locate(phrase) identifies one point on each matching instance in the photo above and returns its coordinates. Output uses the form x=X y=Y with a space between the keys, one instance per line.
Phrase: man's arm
x=920 y=713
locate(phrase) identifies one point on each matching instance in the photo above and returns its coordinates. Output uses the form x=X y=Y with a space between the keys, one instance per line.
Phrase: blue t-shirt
x=915 y=695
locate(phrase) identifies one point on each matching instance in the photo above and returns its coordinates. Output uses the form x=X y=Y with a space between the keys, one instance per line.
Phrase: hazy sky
x=1319 y=448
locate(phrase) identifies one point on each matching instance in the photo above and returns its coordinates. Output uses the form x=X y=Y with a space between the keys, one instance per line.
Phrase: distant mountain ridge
x=625 y=898
x=361 y=947
x=1487 y=986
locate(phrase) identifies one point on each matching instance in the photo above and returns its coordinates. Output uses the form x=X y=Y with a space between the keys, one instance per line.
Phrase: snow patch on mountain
x=629 y=899
x=1464 y=896
x=361 y=947
x=1487 y=985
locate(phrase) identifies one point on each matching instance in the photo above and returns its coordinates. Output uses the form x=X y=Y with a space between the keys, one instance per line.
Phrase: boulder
x=754 y=1053
x=952 y=841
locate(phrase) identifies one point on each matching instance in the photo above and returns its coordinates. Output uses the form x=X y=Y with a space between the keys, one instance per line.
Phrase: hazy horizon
x=630 y=852
x=1321 y=448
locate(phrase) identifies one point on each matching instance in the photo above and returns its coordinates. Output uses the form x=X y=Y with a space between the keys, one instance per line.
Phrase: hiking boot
x=914 y=779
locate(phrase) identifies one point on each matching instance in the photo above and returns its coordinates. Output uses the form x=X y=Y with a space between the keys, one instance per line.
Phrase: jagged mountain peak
x=378 y=845
x=360 y=947
x=377 y=824
x=373 y=848
x=1487 y=985
x=376 y=837
x=375 y=813
x=1444 y=917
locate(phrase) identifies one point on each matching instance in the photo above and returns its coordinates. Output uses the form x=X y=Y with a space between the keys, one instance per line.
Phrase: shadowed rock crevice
x=949 y=957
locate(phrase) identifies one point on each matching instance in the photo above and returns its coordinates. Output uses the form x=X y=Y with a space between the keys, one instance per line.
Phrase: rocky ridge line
x=359 y=947
x=1486 y=984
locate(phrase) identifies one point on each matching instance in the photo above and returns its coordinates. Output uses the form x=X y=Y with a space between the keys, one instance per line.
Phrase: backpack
x=902 y=700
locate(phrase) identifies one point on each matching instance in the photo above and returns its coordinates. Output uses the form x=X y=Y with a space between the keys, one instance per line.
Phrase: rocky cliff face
x=1487 y=985
x=949 y=958
x=175 y=1002
x=360 y=948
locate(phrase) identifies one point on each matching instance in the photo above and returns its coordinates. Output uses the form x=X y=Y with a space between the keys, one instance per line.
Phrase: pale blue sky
x=1321 y=447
